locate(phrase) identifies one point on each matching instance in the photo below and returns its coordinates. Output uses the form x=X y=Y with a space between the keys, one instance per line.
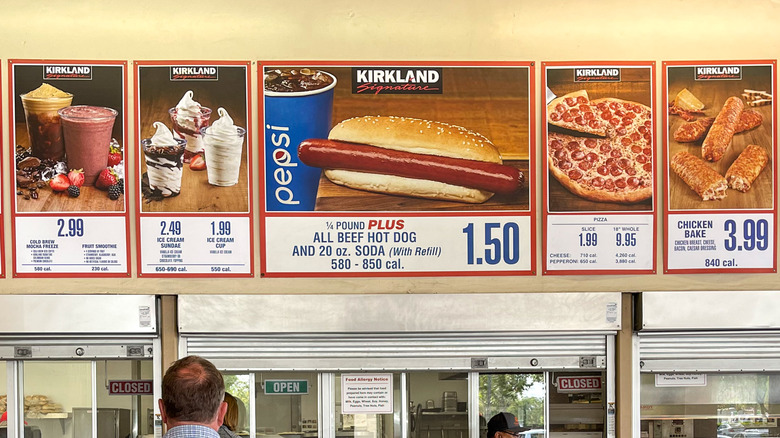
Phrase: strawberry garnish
x=198 y=163
x=76 y=177
x=59 y=183
x=114 y=156
x=106 y=179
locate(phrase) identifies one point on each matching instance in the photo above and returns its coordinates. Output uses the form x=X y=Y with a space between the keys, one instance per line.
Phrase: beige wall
x=372 y=30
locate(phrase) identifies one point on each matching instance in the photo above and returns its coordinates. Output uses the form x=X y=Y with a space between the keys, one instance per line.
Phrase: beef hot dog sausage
x=331 y=154
x=723 y=129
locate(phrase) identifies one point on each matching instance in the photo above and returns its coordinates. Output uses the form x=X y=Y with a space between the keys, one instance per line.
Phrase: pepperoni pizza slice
x=617 y=168
x=574 y=111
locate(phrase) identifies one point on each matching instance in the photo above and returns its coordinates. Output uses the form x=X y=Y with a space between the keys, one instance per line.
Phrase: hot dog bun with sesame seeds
x=411 y=157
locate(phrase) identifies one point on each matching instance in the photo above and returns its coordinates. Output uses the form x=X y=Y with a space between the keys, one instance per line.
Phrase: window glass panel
x=286 y=404
x=120 y=414
x=438 y=402
x=738 y=405
x=577 y=404
x=237 y=385
x=52 y=391
x=521 y=394
x=368 y=425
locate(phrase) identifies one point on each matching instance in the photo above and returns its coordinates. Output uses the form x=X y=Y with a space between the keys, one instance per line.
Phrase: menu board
x=68 y=124
x=397 y=169
x=599 y=193
x=194 y=175
x=721 y=140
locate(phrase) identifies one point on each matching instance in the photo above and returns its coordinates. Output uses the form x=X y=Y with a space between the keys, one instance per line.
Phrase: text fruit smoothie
x=223 y=143
x=164 y=153
x=44 y=127
x=189 y=117
x=87 y=131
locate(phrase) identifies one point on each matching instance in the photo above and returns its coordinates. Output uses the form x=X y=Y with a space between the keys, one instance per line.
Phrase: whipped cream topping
x=223 y=146
x=187 y=107
x=163 y=136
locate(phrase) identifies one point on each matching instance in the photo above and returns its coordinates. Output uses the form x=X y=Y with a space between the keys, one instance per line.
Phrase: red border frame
x=545 y=174
x=665 y=151
x=15 y=214
x=2 y=191
x=137 y=162
x=531 y=177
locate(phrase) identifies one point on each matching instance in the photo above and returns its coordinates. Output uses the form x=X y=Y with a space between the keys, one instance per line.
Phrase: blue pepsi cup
x=291 y=116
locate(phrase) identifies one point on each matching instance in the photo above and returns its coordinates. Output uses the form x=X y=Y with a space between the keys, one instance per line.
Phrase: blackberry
x=74 y=191
x=121 y=184
x=114 y=191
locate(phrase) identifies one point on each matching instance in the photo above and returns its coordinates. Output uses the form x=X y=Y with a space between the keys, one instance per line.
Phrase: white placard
x=88 y=244
x=599 y=242
x=397 y=244
x=367 y=393
x=201 y=245
x=680 y=380
x=720 y=241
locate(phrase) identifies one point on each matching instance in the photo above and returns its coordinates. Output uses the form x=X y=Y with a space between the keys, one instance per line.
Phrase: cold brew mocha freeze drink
x=44 y=126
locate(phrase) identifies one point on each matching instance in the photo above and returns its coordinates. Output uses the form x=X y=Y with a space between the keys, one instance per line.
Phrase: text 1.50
x=502 y=243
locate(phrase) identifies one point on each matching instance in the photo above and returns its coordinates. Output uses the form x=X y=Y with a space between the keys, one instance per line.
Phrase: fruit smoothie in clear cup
x=87 y=132
x=164 y=160
x=44 y=126
x=223 y=143
x=189 y=117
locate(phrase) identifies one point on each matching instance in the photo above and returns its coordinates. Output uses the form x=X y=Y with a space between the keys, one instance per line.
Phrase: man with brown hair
x=191 y=403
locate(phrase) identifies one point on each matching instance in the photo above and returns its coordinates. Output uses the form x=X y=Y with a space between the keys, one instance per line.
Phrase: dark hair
x=192 y=390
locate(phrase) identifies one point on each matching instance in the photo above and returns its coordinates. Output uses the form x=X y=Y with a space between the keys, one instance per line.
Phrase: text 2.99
x=72 y=228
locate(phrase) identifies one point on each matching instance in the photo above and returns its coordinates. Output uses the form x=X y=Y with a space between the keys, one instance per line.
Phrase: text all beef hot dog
x=411 y=157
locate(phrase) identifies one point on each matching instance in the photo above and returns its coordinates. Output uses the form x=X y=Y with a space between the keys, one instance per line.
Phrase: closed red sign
x=130 y=387
x=579 y=384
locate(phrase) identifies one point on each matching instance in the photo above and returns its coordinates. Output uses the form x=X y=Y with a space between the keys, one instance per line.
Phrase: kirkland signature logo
x=367 y=80
x=722 y=72
x=596 y=75
x=81 y=72
x=194 y=73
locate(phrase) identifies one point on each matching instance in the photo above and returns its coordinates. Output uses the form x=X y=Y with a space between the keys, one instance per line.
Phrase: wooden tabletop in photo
x=713 y=95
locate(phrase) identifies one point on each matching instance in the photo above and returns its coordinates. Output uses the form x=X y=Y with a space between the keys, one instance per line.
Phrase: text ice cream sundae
x=223 y=143
x=189 y=117
x=163 y=154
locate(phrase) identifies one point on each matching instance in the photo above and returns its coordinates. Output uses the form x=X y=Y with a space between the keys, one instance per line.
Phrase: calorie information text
x=71 y=245
x=577 y=242
x=398 y=244
x=182 y=245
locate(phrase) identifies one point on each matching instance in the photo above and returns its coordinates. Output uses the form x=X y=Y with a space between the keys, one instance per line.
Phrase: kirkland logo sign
x=194 y=73
x=718 y=73
x=396 y=81
x=596 y=75
x=78 y=72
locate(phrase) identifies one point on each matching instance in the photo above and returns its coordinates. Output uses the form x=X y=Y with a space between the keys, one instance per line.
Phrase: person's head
x=192 y=393
x=231 y=416
x=504 y=425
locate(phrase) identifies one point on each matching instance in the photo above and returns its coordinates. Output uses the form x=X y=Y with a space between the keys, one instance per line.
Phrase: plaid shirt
x=191 y=431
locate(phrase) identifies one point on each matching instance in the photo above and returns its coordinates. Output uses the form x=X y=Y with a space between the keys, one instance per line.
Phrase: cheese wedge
x=687 y=101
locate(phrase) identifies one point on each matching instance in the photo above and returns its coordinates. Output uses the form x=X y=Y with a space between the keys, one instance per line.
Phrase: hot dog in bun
x=411 y=157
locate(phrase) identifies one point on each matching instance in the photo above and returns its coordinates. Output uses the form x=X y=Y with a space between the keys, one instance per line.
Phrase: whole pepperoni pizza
x=605 y=153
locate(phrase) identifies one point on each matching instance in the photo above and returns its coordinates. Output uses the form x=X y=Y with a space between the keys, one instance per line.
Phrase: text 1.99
x=504 y=248
x=220 y=228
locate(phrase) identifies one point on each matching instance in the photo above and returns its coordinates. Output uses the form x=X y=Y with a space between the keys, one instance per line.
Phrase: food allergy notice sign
x=367 y=393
